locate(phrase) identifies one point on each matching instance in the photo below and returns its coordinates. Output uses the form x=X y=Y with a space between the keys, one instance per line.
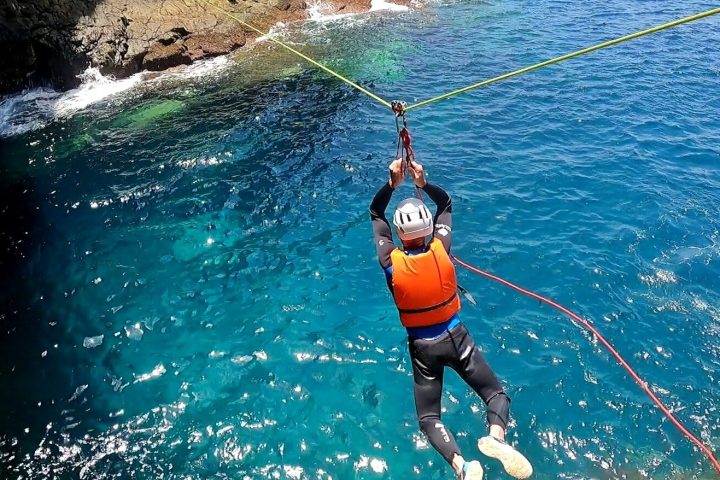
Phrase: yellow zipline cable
x=484 y=83
x=300 y=54
x=609 y=43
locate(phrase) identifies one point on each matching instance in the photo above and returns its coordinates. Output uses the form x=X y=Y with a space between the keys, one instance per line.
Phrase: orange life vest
x=424 y=286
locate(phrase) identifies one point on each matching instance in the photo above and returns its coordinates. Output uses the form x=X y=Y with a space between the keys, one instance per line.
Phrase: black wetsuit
x=448 y=344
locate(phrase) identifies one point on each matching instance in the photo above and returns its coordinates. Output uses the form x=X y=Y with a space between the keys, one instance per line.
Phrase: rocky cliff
x=54 y=40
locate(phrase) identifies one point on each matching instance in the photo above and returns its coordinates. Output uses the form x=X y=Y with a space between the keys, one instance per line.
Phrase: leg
x=428 y=379
x=498 y=410
x=474 y=370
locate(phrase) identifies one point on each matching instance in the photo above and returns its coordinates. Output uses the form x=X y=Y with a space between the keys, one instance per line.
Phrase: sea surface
x=189 y=288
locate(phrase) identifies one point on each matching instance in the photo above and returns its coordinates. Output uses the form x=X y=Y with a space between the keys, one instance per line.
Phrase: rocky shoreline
x=52 y=41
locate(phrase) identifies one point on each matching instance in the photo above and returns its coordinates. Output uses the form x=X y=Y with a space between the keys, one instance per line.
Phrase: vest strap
x=429 y=309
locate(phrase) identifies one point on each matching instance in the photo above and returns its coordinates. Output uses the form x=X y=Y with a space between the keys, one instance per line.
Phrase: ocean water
x=189 y=286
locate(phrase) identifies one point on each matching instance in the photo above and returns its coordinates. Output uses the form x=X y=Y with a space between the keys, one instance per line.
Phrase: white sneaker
x=472 y=471
x=515 y=464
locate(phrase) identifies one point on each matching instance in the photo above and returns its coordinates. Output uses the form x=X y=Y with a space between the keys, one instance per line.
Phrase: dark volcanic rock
x=201 y=46
x=162 y=57
x=36 y=39
x=54 y=40
x=173 y=51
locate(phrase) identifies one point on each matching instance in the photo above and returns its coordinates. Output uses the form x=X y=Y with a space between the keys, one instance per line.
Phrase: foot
x=515 y=464
x=472 y=471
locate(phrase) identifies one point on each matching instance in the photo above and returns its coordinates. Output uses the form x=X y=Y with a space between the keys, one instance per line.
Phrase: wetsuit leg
x=428 y=378
x=474 y=370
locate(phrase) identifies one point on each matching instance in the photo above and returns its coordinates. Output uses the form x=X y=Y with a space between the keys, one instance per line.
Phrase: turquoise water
x=191 y=288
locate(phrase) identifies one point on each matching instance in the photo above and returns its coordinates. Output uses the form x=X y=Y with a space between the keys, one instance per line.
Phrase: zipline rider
x=422 y=279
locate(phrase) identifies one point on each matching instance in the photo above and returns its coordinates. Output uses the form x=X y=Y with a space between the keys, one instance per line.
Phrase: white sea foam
x=659 y=277
x=318 y=12
x=25 y=111
x=376 y=5
x=34 y=109
x=276 y=30
x=202 y=69
x=94 y=87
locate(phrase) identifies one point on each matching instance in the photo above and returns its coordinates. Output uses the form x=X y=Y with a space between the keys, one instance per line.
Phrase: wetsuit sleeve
x=443 y=215
x=381 y=228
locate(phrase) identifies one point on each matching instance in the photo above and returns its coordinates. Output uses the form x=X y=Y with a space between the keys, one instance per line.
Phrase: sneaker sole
x=515 y=464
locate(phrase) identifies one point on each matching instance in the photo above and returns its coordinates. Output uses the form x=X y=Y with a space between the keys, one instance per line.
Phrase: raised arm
x=381 y=228
x=380 y=225
x=443 y=214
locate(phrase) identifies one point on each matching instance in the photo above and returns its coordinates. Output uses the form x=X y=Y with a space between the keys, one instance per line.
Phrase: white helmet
x=412 y=219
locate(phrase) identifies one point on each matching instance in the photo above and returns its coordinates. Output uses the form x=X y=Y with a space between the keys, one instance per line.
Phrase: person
x=422 y=280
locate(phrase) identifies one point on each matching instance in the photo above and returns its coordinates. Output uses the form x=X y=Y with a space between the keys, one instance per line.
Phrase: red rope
x=405 y=143
x=708 y=453
x=406 y=139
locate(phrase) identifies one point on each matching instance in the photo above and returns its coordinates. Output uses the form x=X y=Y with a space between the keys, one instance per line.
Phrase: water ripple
x=193 y=283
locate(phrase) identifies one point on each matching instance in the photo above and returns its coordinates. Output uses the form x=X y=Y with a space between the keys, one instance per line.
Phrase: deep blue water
x=190 y=288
